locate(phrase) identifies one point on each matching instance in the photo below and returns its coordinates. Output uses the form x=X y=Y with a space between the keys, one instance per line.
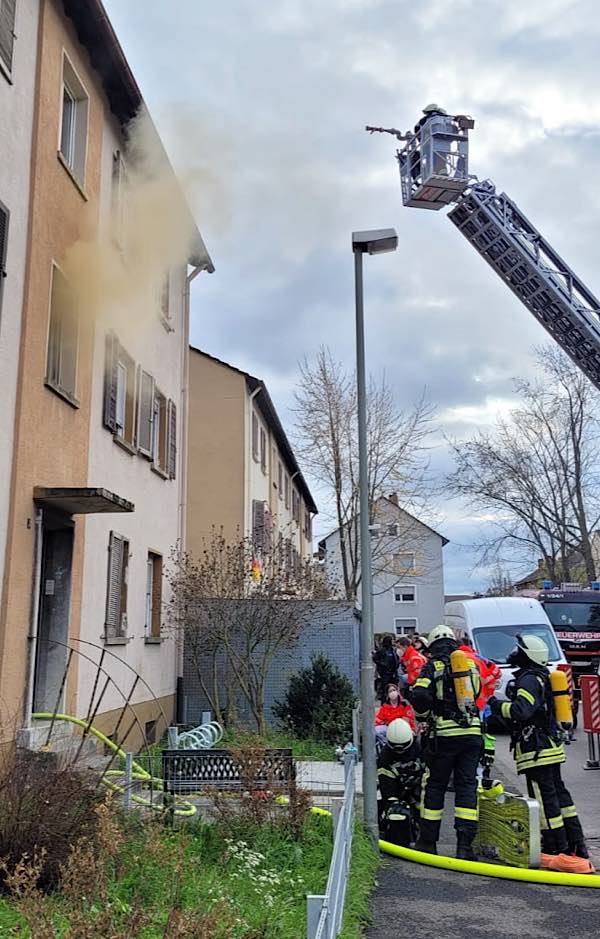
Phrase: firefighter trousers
x=561 y=828
x=446 y=755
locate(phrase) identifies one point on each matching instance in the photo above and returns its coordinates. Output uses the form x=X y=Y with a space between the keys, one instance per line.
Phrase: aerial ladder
x=434 y=173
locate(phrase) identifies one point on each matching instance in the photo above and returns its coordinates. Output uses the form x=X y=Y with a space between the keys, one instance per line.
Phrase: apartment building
x=18 y=50
x=243 y=476
x=408 y=569
x=98 y=478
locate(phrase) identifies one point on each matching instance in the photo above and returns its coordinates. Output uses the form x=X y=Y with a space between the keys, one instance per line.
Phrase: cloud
x=262 y=108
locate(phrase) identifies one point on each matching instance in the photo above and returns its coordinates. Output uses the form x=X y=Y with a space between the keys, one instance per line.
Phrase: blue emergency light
x=546 y=585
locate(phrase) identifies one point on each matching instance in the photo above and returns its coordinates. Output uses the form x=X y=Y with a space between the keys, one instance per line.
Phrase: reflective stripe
x=505 y=709
x=396 y=818
x=538 y=795
x=422 y=683
x=431 y=815
x=556 y=822
x=469 y=815
x=569 y=811
x=523 y=693
x=457 y=731
x=387 y=772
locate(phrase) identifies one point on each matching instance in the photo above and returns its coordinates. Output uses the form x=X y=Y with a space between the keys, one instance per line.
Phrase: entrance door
x=54 y=607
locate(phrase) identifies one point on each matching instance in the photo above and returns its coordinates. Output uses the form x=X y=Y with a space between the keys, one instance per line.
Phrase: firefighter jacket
x=413 y=662
x=531 y=715
x=434 y=698
x=399 y=773
x=389 y=712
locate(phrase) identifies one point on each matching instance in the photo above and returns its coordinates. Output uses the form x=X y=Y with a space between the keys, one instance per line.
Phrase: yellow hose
x=491 y=870
x=183 y=808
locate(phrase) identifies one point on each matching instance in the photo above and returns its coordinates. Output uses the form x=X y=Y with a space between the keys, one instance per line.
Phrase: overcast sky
x=262 y=109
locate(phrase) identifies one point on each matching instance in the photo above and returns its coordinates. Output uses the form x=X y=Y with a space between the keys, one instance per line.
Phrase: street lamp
x=378 y=241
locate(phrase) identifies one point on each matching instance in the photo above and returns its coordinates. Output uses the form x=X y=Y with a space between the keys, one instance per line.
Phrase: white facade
x=17 y=95
x=408 y=571
x=157 y=347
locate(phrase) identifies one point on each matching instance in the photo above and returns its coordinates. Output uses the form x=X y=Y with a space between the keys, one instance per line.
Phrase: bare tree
x=235 y=608
x=326 y=439
x=537 y=473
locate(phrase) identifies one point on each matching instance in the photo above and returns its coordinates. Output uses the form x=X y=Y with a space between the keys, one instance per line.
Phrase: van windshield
x=497 y=642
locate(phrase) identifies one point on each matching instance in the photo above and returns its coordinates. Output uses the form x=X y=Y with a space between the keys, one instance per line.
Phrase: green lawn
x=302 y=749
x=254 y=879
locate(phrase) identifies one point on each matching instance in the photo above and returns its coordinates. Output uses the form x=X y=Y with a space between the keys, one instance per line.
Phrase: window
x=392 y=531
x=404 y=626
x=4 y=216
x=115 y=627
x=165 y=301
x=120 y=183
x=258 y=524
x=150 y=732
x=404 y=562
x=74 y=121
x=254 y=437
x=145 y=414
x=280 y=479
x=119 y=391
x=286 y=488
x=307 y=524
x=7 y=32
x=154 y=573
x=61 y=368
x=296 y=505
x=159 y=431
x=405 y=594
x=263 y=450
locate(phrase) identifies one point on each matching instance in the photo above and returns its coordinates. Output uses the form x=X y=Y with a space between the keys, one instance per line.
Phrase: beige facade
x=71 y=461
x=242 y=472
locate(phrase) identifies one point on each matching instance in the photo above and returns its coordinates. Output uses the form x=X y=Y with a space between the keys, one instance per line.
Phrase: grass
x=253 y=878
x=302 y=749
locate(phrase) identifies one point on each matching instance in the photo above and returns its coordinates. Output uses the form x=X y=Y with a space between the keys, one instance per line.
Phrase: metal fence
x=325 y=912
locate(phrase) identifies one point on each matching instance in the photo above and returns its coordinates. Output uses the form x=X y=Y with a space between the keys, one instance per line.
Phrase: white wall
x=154 y=526
x=16 y=123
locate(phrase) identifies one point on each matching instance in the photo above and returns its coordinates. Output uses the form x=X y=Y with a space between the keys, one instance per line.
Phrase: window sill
x=6 y=72
x=125 y=445
x=72 y=176
x=159 y=472
x=115 y=640
x=152 y=640
x=65 y=395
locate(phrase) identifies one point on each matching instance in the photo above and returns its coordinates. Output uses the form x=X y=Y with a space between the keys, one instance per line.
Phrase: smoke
x=150 y=231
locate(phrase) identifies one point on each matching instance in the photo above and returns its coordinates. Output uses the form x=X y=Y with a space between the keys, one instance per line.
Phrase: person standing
x=410 y=659
x=539 y=752
x=387 y=663
x=453 y=745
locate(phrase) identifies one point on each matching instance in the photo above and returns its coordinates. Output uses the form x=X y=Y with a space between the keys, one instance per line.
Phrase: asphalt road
x=424 y=903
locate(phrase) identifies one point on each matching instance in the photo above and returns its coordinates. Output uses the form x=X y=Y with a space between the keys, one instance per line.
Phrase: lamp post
x=366 y=242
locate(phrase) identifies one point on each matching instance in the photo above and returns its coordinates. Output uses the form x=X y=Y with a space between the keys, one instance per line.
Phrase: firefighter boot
x=427 y=847
x=464 y=849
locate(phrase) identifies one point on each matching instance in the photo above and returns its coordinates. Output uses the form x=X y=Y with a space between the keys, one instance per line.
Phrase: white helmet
x=399 y=734
x=433 y=108
x=440 y=632
x=534 y=648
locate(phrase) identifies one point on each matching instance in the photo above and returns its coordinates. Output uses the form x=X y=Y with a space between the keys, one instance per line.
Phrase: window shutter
x=172 y=440
x=114 y=586
x=7 y=31
x=258 y=523
x=156 y=595
x=145 y=414
x=111 y=381
x=4 y=216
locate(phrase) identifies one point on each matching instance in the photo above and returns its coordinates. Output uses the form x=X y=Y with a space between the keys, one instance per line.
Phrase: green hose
x=183 y=808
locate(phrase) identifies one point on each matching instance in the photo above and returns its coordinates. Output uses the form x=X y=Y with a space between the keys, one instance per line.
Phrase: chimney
x=393 y=497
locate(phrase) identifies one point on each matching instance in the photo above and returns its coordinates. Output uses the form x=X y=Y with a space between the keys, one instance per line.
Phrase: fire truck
x=434 y=174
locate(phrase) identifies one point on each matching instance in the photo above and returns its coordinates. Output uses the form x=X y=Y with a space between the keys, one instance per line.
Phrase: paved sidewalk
x=423 y=902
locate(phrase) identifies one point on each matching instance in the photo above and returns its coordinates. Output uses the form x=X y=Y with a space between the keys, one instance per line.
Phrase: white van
x=490 y=624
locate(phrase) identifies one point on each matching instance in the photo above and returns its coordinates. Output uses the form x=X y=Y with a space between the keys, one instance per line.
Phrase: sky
x=262 y=109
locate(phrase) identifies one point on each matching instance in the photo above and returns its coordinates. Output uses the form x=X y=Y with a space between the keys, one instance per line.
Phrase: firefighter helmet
x=399 y=734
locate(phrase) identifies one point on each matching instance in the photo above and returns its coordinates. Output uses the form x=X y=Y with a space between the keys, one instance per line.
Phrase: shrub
x=318 y=703
x=45 y=809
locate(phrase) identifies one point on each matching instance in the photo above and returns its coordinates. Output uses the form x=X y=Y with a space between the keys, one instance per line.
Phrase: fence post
x=314 y=906
x=173 y=738
x=337 y=804
x=128 y=781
